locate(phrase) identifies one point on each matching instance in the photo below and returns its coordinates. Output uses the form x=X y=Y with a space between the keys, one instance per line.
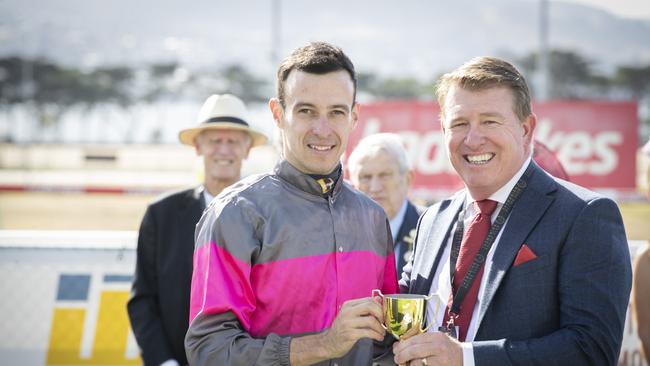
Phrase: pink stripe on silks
x=301 y=295
x=390 y=276
x=220 y=283
x=289 y=296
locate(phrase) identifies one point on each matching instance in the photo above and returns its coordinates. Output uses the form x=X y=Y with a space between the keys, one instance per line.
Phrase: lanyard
x=485 y=247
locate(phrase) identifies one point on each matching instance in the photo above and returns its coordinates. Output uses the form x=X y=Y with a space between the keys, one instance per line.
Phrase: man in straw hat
x=159 y=303
x=285 y=262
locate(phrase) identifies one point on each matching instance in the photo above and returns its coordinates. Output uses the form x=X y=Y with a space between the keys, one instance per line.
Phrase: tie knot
x=485 y=207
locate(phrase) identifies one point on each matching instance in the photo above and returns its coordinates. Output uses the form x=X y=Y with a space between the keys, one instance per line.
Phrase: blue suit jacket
x=405 y=238
x=567 y=306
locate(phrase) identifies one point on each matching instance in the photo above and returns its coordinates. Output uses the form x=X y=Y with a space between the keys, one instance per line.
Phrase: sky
x=625 y=8
x=396 y=39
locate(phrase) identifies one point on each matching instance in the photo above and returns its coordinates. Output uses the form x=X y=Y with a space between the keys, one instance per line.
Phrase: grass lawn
x=637 y=220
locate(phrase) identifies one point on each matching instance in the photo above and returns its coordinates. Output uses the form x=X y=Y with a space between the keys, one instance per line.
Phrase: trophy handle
x=425 y=328
x=427 y=298
x=377 y=292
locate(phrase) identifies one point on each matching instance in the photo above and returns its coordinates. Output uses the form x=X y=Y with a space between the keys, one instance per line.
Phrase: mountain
x=417 y=37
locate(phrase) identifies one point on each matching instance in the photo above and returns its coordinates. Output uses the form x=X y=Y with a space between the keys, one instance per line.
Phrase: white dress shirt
x=441 y=284
x=395 y=223
x=207 y=197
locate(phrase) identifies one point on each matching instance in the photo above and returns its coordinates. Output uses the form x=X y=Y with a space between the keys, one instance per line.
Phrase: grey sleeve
x=219 y=339
x=217 y=336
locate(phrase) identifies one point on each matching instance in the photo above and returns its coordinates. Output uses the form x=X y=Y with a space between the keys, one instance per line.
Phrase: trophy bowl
x=404 y=313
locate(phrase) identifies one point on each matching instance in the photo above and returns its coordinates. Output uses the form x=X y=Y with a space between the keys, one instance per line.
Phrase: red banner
x=595 y=141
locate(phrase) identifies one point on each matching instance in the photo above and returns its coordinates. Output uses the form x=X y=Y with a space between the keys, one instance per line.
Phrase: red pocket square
x=524 y=255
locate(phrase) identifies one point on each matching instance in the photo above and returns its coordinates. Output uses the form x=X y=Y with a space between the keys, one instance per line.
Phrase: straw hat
x=222 y=112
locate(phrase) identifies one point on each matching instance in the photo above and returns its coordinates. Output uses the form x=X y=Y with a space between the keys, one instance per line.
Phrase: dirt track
x=69 y=211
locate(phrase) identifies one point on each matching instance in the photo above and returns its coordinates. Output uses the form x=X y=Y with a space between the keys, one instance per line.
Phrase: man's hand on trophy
x=359 y=318
x=432 y=348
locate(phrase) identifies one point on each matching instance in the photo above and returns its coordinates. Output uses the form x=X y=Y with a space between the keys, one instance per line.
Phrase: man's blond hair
x=484 y=73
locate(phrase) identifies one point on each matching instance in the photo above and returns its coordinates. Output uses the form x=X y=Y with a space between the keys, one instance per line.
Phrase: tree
x=571 y=74
x=12 y=89
x=159 y=82
x=393 y=87
x=634 y=79
x=239 y=81
x=50 y=89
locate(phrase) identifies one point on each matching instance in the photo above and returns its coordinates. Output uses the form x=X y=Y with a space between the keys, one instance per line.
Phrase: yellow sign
x=90 y=325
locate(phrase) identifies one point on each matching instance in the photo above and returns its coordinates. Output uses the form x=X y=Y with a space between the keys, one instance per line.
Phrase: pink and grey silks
x=274 y=258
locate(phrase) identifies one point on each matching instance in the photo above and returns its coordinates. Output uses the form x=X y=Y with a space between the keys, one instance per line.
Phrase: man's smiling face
x=486 y=142
x=223 y=152
x=317 y=119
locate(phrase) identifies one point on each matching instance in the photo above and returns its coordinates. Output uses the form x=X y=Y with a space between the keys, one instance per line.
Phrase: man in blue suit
x=551 y=281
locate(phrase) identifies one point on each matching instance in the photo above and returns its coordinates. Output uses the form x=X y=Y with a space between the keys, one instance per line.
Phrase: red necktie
x=470 y=245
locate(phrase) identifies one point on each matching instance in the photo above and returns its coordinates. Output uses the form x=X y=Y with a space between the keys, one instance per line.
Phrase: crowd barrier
x=63 y=299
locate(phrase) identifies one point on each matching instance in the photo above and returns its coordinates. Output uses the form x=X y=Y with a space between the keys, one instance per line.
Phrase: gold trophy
x=404 y=313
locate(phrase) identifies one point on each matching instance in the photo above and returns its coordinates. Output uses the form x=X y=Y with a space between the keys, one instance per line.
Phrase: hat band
x=227 y=119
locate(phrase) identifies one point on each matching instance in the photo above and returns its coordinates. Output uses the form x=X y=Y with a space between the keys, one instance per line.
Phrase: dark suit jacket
x=567 y=306
x=406 y=235
x=159 y=303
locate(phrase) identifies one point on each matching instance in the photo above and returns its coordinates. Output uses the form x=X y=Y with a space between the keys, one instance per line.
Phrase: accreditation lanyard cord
x=485 y=247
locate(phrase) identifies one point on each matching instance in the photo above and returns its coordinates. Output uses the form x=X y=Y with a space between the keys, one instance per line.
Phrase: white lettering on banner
x=609 y=157
x=432 y=156
x=581 y=152
x=371 y=127
x=426 y=151
x=411 y=141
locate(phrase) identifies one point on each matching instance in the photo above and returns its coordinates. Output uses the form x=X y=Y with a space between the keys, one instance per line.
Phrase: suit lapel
x=189 y=215
x=194 y=203
x=525 y=215
x=433 y=241
x=410 y=221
